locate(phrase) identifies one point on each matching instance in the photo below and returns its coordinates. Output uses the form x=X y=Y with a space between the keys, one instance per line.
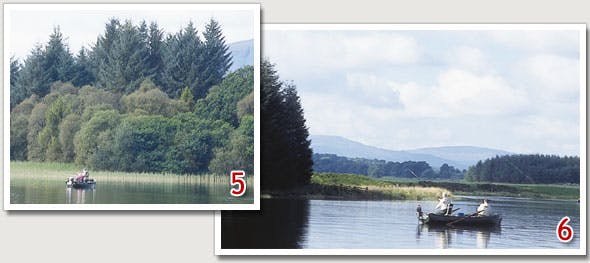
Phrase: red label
x=565 y=233
x=237 y=179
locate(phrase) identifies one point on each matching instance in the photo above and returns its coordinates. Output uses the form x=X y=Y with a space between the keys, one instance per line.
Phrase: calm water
x=117 y=189
x=324 y=224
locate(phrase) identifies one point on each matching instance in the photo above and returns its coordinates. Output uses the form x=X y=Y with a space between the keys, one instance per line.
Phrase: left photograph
x=131 y=106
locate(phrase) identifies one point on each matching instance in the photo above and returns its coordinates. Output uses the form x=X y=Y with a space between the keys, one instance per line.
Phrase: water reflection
x=279 y=224
x=80 y=195
x=445 y=236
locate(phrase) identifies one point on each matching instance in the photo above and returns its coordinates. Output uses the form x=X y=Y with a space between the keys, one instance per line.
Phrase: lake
x=32 y=186
x=328 y=224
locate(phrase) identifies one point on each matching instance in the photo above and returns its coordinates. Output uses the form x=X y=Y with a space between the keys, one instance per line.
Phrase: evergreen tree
x=32 y=78
x=155 y=58
x=58 y=62
x=84 y=74
x=122 y=54
x=17 y=94
x=217 y=56
x=285 y=153
x=183 y=63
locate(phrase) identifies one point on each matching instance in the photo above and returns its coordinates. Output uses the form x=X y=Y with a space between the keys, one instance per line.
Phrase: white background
x=168 y=236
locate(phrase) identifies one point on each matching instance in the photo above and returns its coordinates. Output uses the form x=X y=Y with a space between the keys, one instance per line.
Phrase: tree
x=58 y=61
x=150 y=100
x=283 y=158
x=84 y=74
x=221 y=102
x=217 y=56
x=141 y=143
x=67 y=130
x=86 y=141
x=122 y=54
x=17 y=93
x=32 y=78
x=183 y=62
x=238 y=154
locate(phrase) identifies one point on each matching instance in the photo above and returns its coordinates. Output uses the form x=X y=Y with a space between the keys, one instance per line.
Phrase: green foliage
x=216 y=54
x=17 y=93
x=531 y=169
x=86 y=142
x=246 y=106
x=126 y=115
x=183 y=62
x=67 y=130
x=141 y=142
x=149 y=99
x=195 y=142
x=35 y=151
x=238 y=154
x=221 y=102
x=187 y=97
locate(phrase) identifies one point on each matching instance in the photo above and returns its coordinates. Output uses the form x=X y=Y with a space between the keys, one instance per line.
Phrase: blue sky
x=81 y=24
x=513 y=90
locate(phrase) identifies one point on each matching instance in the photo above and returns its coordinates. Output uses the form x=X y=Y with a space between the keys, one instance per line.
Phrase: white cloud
x=459 y=92
x=372 y=90
x=324 y=51
x=551 y=76
x=538 y=41
x=468 y=58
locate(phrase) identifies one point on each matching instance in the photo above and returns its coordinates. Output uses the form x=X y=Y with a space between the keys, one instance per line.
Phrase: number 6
x=565 y=233
x=237 y=178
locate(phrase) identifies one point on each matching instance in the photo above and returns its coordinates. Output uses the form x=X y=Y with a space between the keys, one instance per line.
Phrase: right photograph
x=418 y=139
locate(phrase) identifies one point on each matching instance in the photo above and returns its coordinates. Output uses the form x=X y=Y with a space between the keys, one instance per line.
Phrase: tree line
x=122 y=57
x=111 y=113
x=527 y=169
x=379 y=168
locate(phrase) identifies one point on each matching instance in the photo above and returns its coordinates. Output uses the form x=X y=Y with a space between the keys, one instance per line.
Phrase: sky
x=81 y=24
x=512 y=90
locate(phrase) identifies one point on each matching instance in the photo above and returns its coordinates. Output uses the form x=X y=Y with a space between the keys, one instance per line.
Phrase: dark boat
x=86 y=184
x=466 y=220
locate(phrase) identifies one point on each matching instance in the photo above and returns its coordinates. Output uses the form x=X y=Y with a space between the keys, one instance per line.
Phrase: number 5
x=237 y=178
x=564 y=232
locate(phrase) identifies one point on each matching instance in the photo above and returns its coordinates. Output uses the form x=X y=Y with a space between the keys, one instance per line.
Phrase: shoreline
x=349 y=187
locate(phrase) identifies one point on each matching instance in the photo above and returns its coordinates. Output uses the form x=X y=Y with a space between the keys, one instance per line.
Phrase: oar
x=461 y=219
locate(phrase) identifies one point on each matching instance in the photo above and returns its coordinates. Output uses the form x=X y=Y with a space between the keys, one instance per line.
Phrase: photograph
x=131 y=106
x=418 y=139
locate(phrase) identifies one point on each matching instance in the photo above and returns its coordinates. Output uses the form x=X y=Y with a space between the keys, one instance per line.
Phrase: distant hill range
x=242 y=54
x=460 y=157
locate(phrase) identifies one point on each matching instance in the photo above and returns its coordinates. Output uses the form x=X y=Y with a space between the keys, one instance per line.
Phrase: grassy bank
x=60 y=171
x=545 y=191
x=357 y=187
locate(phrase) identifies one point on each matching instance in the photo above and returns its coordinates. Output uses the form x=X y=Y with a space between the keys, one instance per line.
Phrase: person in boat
x=444 y=206
x=82 y=176
x=419 y=211
x=483 y=209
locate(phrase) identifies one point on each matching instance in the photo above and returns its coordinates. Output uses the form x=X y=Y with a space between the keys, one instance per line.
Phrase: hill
x=458 y=156
x=242 y=54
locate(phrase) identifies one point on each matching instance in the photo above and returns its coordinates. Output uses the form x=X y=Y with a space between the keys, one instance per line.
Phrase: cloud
x=460 y=93
x=372 y=90
x=551 y=76
x=319 y=52
x=538 y=41
x=466 y=57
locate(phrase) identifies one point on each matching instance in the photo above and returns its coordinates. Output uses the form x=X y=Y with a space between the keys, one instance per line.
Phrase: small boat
x=462 y=220
x=86 y=184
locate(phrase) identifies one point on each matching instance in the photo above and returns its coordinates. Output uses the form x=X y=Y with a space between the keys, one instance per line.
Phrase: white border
x=254 y=8
x=582 y=234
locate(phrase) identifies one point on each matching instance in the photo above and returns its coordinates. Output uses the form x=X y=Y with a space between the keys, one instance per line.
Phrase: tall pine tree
x=217 y=56
x=285 y=153
x=184 y=62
